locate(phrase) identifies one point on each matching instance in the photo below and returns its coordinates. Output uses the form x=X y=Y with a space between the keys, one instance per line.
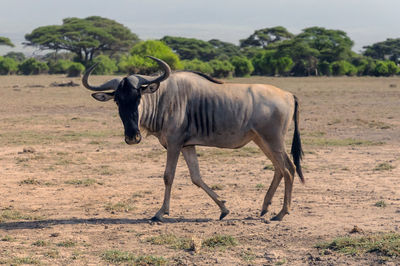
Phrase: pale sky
x=365 y=21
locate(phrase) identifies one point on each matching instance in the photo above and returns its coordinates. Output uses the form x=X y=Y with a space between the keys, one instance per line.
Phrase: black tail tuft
x=297 y=151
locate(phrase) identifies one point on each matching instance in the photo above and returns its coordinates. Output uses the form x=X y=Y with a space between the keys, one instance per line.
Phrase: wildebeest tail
x=297 y=151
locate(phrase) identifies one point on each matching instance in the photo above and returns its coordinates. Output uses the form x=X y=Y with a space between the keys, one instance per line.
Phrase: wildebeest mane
x=203 y=75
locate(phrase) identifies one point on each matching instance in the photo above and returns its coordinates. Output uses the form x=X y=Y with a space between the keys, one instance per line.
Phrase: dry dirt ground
x=72 y=192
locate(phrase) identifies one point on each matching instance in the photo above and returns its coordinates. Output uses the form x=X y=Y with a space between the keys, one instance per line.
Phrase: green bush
x=365 y=66
x=197 y=65
x=221 y=69
x=75 y=69
x=8 y=66
x=32 y=66
x=385 y=68
x=243 y=66
x=283 y=65
x=325 y=68
x=59 y=67
x=105 y=66
x=137 y=62
x=262 y=62
x=271 y=63
x=340 y=68
x=393 y=69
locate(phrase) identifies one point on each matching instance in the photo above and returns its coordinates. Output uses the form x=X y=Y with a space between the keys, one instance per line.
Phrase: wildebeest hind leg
x=189 y=153
x=275 y=181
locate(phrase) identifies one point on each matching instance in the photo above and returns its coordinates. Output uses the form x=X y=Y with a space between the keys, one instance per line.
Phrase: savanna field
x=73 y=193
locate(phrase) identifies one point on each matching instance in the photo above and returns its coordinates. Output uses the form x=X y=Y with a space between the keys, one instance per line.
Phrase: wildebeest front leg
x=189 y=153
x=169 y=174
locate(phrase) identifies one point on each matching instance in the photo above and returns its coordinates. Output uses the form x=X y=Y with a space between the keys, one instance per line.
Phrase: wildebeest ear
x=150 y=88
x=103 y=96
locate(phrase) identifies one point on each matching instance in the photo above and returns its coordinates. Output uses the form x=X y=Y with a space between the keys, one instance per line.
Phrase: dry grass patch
x=382 y=244
x=124 y=206
x=10 y=214
x=30 y=181
x=384 y=167
x=83 y=182
x=340 y=142
x=125 y=257
x=220 y=241
x=170 y=240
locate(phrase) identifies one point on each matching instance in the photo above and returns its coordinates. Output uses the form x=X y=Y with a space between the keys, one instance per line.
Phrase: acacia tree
x=6 y=41
x=190 y=48
x=263 y=37
x=386 y=49
x=332 y=45
x=84 y=37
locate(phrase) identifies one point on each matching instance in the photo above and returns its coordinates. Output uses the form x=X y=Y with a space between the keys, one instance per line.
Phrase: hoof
x=157 y=219
x=263 y=212
x=223 y=214
x=276 y=218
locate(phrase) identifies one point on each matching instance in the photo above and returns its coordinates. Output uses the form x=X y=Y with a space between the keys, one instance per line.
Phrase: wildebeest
x=185 y=109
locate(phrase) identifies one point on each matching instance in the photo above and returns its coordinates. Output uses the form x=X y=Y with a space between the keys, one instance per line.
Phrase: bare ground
x=71 y=190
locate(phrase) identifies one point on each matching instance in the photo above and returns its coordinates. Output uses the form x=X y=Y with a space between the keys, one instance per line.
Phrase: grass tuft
x=29 y=181
x=83 y=182
x=40 y=243
x=384 y=167
x=220 y=241
x=67 y=244
x=170 y=240
x=14 y=215
x=119 y=207
x=118 y=257
x=381 y=204
x=383 y=244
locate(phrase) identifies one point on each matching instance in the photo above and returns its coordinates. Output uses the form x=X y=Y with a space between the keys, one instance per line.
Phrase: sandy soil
x=71 y=190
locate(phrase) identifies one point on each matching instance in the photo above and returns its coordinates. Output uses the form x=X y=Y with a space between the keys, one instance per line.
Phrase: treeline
x=316 y=51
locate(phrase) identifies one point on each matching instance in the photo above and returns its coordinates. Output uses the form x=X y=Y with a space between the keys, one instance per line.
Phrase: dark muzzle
x=133 y=140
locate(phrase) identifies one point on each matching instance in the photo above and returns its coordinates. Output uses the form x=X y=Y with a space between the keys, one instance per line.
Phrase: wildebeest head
x=126 y=93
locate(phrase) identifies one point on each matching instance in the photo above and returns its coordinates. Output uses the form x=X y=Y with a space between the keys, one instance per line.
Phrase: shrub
x=365 y=66
x=32 y=66
x=75 y=69
x=8 y=66
x=137 y=62
x=222 y=69
x=385 y=68
x=105 y=66
x=325 y=68
x=283 y=65
x=59 y=67
x=262 y=62
x=243 y=66
x=197 y=65
x=340 y=68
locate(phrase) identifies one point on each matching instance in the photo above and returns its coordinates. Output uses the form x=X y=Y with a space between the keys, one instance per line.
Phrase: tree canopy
x=84 y=37
x=263 y=37
x=190 y=48
x=6 y=41
x=389 y=49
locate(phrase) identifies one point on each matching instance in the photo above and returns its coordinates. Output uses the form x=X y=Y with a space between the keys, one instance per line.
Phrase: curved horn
x=166 y=68
x=109 y=85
